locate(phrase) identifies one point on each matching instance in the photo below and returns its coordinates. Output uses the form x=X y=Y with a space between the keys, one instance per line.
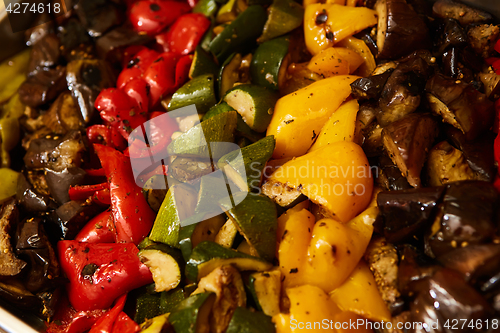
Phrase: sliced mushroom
x=400 y=29
x=408 y=141
x=226 y=283
x=10 y=265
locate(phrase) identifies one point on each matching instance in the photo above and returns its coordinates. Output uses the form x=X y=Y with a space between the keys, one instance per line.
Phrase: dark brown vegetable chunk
x=408 y=141
x=460 y=105
x=63 y=115
x=389 y=175
x=98 y=16
x=45 y=53
x=10 y=265
x=465 y=217
x=370 y=87
x=407 y=213
x=44 y=86
x=460 y=12
x=400 y=29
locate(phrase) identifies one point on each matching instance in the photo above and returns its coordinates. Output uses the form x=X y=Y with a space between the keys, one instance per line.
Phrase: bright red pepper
x=496 y=66
x=136 y=66
x=102 y=197
x=82 y=192
x=99 y=273
x=106 y=135
x=497 y=46
x=125 y=324
x=106 y=322
x=185 y=34
x=68 y=320
x=100 y=229
x=130 y=52
x=132 y=214
x=160 y=76
x=182 y=70
x=95 y=172
x=152 y=16
x=137 y=90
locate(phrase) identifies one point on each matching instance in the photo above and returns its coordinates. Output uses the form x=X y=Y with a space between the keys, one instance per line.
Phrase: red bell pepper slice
x=95 y=172
x=132 y=214
x=160 y=76
x=129 y=54
x=137 y=90
x=185 y=34
x=497 y=46
x=102 y=197
x=82 y=192
x=136 y=66
x=106 y=322
x=182 y=70
x=99 y=273
x=106 y=135
x=100 y=229
x=125 y=324
x=152 y=16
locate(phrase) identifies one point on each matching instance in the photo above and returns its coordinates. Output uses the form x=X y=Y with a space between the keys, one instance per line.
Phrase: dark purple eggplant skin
x=30 y=199
x=467 y=216
x=45 y=53
x=390 y=176
x=449 y=62
x=59 y=182
x=486 y=277
x=468 y=260
x=43 y=87
x=67 y=220
x=366 y=36
x=34 y=247
x=99 y=16
x=472 y=110
x=462 y=13
x=478 y=153
x=407 y=142
x=370 y=87
x=406 y=31
x=413 y=267
x=408 y=213
x=446 y=296
x=449 y=33
x=401 y=94
x=73 y=37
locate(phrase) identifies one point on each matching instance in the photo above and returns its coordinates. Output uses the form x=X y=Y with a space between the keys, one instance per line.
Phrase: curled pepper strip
x=99 y=273
x=132 y=214
x=106 y=322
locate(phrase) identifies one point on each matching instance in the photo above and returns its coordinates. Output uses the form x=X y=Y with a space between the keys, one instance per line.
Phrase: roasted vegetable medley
x=341 y=167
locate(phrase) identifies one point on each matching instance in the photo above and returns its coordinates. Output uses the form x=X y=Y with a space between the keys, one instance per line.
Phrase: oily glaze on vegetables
x=303 y=112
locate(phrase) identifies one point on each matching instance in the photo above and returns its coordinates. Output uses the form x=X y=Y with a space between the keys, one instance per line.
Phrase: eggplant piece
x=373 y=143
x=38 y=180
x=40 y=28
x=382 y=258
x=447 y=296
x=407 y=213
x=467 y=260
x=482 y=38
x=59 y=182
x=45 y=53
x=34 y=247
x=449 y=62
x=43 y=87
x=367 y=37
x=98 y=16
x=370 y=87
x=15 y=293
x=491 y=83
x=389 y=176
x=86 y=79
x=465 y=217
x=63 y=115
x=487 y=276
x=10 y=265
x=408 y=141
x=364 y=120
x=464 y=14
x=73 y=35
x=478 y=153
x=30 y=199
x=55 y=152
x=447 y=164
x=70 y=217
x=414 y=266
x=449 y=34
x=110 y=45
x=460 y=105
x=400 y=29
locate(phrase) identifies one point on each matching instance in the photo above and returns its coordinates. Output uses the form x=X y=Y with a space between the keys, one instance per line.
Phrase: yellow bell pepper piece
x=359 y=294
x=346 y=317
x=341 y=22
x=298 y=117
x=336 y=177
x=310 y=2
x=9 y=183
x=329 y=63
x=324 y=253
x=340 y=126
x=360 y=47
x=311 y=310
x=13 y=74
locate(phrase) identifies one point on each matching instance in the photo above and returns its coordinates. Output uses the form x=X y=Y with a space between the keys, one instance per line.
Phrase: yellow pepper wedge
x=336 y=177
x=329 y=63
x=340 y=126
x=311 y=310
x=298 y=117
x=324 y=253
x=341 y=22
x=359 y=294
x=360 y=47
x=348 y=317
x=305 y=3
x=9 y=183
x=13 y=74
